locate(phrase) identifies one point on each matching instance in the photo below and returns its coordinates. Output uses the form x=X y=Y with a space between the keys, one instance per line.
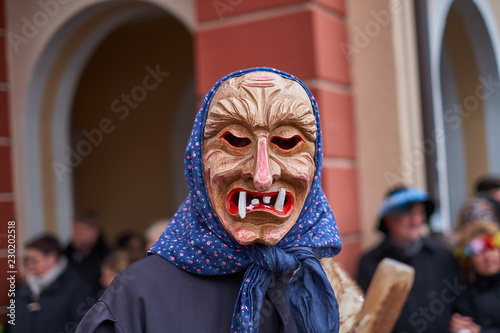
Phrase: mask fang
x=280 y=201
x=242 y=205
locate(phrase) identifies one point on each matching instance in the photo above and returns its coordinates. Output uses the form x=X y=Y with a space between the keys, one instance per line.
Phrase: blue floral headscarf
x=196 y=241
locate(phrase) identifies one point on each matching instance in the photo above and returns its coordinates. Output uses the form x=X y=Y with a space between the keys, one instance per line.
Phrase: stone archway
x=464 y=55
x=127 y=149
x=47 y=146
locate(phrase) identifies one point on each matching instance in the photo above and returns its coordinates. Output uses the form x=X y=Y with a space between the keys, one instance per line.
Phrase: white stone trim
x=30 y=175
x=63 y=107
x=438 y=13
x=408 y=93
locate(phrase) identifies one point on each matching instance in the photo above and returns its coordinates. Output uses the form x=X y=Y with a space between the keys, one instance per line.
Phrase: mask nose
x=264 y=171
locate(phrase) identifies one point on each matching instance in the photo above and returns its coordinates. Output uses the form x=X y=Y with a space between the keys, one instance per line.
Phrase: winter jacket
x=62 y=305
x=89 y=266
x=436 y=289
x=484 y=298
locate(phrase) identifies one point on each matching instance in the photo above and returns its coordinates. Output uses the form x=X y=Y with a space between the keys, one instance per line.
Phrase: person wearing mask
x=402 y=218
x=242 y=252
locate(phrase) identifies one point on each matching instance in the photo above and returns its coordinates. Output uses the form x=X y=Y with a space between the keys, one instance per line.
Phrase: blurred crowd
x=58 y=285
x=457 y=280
x=456 y=287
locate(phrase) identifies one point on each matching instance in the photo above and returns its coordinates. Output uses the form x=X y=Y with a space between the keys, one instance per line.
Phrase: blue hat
x=401 y=201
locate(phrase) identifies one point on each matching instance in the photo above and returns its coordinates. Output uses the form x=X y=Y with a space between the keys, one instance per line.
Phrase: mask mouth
x=242 y=202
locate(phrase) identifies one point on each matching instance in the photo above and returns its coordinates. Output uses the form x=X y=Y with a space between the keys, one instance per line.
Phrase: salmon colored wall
x=337 y=124
x=4 y=112
x=284 y=42
x=211 y=10
x=6 y=189
x=5 y=167
x=302 y=38
x=215 y=10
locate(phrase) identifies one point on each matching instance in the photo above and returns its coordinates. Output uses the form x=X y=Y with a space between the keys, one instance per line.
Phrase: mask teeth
x=242 y=205
x=255 y=201
x=266 y=200
x=280 y=201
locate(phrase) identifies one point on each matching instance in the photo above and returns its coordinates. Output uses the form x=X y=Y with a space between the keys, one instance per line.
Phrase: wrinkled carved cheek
x=224 y=171
x=299 y=172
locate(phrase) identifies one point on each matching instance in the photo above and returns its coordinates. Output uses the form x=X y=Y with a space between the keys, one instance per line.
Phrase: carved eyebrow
x=228 y=111
x=241 y=110
x=293 y=111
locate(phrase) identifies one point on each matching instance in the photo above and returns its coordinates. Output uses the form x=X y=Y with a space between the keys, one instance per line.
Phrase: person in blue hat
x=242 y=252
x=437 y=286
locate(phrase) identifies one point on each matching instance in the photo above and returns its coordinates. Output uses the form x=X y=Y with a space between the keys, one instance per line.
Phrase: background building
x=97 y=100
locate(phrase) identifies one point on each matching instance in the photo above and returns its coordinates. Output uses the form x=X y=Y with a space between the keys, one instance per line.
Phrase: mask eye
x=235 y=141
x=286 y=144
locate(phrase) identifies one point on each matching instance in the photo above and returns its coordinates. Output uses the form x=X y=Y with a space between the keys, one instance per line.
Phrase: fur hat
x=475 y=209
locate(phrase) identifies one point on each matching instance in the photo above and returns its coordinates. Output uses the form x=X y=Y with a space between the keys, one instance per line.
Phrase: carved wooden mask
x=258 y=155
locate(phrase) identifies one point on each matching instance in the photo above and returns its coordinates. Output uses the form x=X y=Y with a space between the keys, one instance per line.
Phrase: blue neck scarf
x=195 y=241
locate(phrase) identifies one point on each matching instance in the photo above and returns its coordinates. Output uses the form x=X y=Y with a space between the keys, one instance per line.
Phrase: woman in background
x=478 y=253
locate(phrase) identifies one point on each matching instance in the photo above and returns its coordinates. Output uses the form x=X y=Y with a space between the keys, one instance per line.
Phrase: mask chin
x=266 y=236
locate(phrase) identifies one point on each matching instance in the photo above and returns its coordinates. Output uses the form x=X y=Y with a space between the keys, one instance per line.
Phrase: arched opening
x=468 y=72
x=107 y=50
x=136 y=85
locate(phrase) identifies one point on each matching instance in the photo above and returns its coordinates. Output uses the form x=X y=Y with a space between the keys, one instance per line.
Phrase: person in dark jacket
x=478 y=252
x=242 y=252
x=54 y=297
x=87 y=249
x=437 y=285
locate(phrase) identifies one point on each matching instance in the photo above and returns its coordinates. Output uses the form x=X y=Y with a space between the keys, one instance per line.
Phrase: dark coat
x=437 y=287
x=89 y=266
x=62 y=306
x=153 y=295
x=484 y=297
